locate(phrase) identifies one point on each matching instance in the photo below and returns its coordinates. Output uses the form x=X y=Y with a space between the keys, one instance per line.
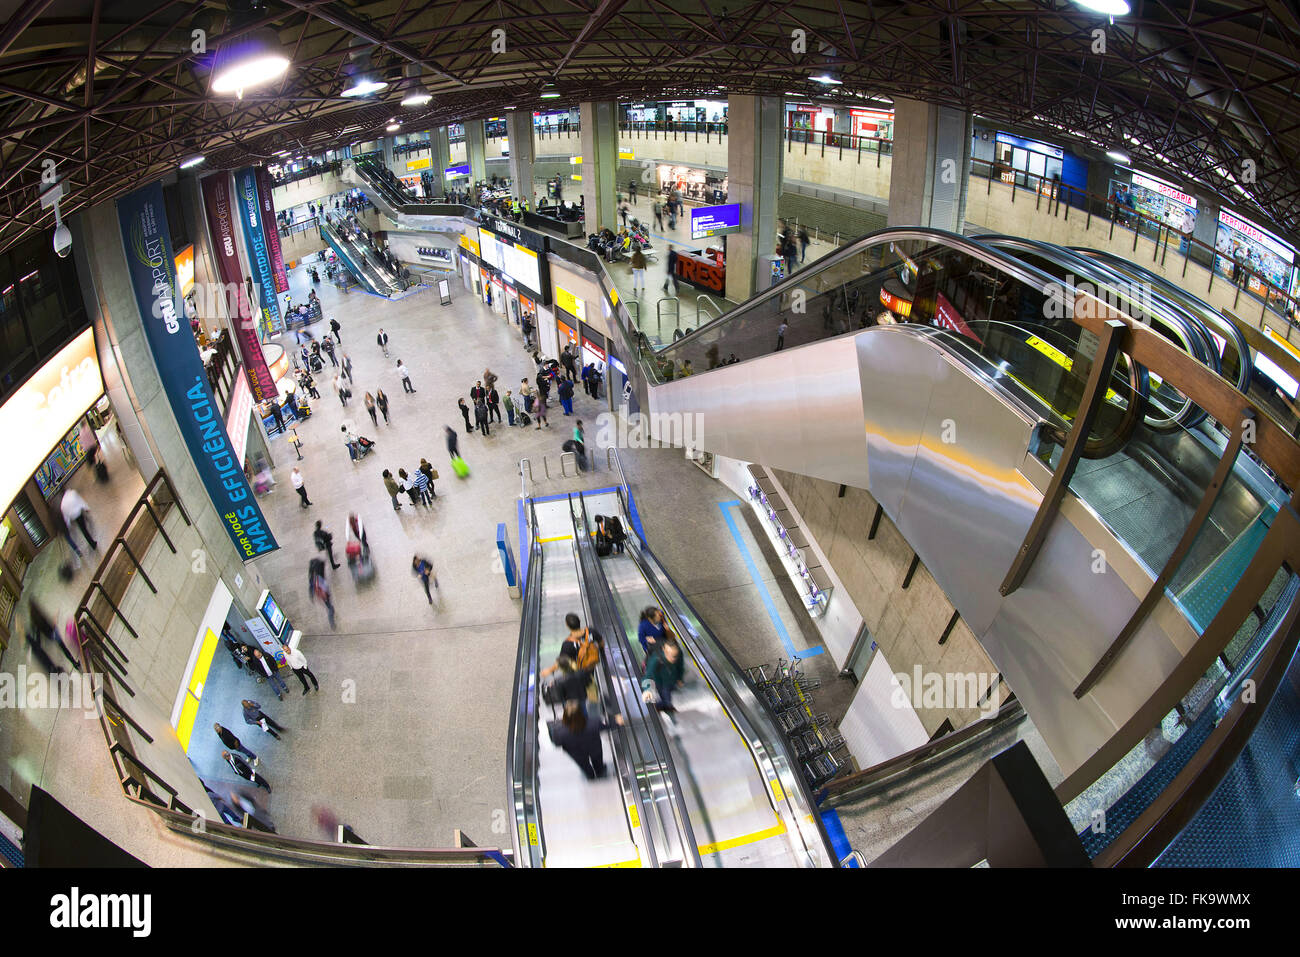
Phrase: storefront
x=1244 y=246
x=694 y=184
x=516 y=261
x=469 y=264
x=872 y=124
x=1163 y=202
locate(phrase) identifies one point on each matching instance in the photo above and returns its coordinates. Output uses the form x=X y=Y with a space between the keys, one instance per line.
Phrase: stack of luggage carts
x=818 y=747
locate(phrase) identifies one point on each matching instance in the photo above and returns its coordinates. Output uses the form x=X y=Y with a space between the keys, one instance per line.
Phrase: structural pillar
x=440 y=154
x=476 y=150
x=754 y=170
x=600 y=164
x=386 y=144
x=519 y=134
x=931 y=166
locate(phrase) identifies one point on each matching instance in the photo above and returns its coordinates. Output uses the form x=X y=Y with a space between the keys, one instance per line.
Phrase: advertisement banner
x=264 y=187
x=947 y=316
x=250 y=217
x=147 y=244
x=221 y=226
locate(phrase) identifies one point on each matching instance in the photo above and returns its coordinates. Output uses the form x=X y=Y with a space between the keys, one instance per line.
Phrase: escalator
x=396 y=204
x=954 y=416
x=746 y=802
x=354 y=259
x=631 y=817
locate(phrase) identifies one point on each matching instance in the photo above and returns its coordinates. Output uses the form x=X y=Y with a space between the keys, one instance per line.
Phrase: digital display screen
x=460 y=169
x=271 y=614
x=708 y=221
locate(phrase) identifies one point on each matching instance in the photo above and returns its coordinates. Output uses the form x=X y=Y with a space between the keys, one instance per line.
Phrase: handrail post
x=1094 y=394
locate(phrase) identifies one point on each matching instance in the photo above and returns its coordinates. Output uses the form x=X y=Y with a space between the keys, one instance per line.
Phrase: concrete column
x=386 y=144
x=931 y=168
x=600 y=164
x=754 y=171
x=440 y=154
x=476 y=150
x=519 y=133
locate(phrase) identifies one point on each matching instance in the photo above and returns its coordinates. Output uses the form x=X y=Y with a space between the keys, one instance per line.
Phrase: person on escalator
x=582 y=646
x=579 y=737
x=667 y=670
x=651 y=631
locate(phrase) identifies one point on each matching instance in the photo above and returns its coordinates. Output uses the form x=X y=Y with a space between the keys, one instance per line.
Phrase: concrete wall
x=906 y=623
x=307 y=190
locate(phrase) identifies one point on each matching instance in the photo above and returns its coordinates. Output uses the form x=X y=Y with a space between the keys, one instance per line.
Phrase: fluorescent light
x=192 y=161
x=364 y=86
x=828 y=80
x=550 y=95
x=1109 y=8
x=248 y=61
x=417 y=97
x=1117 y=156
x=393 y=127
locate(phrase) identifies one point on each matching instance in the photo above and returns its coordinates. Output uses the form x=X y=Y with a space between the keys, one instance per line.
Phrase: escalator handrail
x=362 y=263
x=524 y=796
x=765 y=745
x=659 y=741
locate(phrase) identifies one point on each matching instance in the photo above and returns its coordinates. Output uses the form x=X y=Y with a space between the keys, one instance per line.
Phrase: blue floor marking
x=523 y=548
x=762 y=589
x=835 y=831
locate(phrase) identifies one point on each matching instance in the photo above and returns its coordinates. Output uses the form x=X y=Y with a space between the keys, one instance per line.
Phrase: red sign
x=221 y=229
x=703 y=274
x=593 y=348
x=949 y=318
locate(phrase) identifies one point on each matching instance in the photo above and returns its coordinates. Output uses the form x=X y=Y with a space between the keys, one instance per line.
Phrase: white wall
x=874 y=728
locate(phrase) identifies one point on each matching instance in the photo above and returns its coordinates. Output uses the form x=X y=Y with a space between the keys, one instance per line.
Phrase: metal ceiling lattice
x=1205 y=91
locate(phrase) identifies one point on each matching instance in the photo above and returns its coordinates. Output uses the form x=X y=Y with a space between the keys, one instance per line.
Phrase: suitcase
x=460 y=467
x=101 y=473
x=525 y=419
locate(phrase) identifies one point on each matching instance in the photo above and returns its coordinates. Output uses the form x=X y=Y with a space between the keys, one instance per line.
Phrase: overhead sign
x=44 y=408
x=457 y=169
x=1164 y=189
x=709 y=221
x=418 y=164
x=570 y=303
x=146 y=241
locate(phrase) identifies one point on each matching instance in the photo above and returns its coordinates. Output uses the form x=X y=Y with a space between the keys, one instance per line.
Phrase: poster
x=264 y=187
x=250 y=218
x=216 y=202
x=146 y=241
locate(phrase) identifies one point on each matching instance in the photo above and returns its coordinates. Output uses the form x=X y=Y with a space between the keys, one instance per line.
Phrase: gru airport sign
x=44 y=409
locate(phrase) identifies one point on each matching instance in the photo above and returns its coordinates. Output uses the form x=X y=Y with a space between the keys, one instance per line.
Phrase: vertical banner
x=264 y=187
x=250 y=217
x=145 y=240
x=221 y=228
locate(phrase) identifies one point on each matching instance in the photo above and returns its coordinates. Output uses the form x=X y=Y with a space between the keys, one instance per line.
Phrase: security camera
x=63 y=241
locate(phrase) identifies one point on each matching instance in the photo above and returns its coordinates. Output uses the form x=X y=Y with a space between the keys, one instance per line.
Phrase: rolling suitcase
x=459 y=466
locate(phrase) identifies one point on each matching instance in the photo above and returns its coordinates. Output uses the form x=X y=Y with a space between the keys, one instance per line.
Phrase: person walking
x=325 y=543
x=481 y=417
x=268 y=667
x=659 y=214
x=780 y=335
x=565 y=393
x=334 y=326
x=489 y=379
x=671 y=276
x=392 y=488
x=233 y=743
x=666 y=669
x=381 y=401
x=422 y=568
x=347 y=367
x=406 y=378
x=464 y=414
x=254 y=715
x=540 y=403
x=298 y=486
x=296 y=660
x=245 y=772
x=370 y=409
x=803 y=244
x=493 y=403
x=382 y=340
x=318 y=589
x=638 y=271
x=75 y=511
x=342 y=391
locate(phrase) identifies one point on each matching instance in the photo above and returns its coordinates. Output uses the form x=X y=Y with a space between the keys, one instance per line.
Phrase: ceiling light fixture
x=357 y=69
x=828 y=80
x=192 y=161
x=1117 y=156
x=393 y=127
x=1108 y=8
x=416 y=94
x=549 y=92
x=248 y=61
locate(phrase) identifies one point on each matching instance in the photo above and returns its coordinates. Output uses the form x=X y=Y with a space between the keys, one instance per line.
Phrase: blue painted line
x=523 y=545
x=835 y=831
x=762 y=589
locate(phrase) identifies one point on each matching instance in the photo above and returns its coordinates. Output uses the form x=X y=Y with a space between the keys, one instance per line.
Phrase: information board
x=709 y=221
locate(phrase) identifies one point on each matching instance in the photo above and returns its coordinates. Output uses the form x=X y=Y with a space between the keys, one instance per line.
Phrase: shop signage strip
x=216 y=201
x=146 y=241
x=264 y=187
x=1260 y=236
x=250 y=217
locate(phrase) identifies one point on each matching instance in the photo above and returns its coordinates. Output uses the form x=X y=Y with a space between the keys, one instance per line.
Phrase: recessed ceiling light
x=1109 y=8
x=192 y=161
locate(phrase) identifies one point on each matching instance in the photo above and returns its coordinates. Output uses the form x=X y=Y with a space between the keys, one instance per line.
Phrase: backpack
x=588 y=654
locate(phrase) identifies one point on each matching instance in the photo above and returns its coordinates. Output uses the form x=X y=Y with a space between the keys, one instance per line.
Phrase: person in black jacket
x=579 y=736
x=325 y=543
x=233 y=743
x=464 y=413
x=245 y=772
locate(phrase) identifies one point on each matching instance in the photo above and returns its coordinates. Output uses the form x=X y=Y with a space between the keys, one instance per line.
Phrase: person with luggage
x=571 y=684
x=521 y=403
x=667 y=670
x=579 y=737
x=582 y=645
x=458 y=464
x=325 y=543
x=617 y=537
x=422 y=568
x=318 y=588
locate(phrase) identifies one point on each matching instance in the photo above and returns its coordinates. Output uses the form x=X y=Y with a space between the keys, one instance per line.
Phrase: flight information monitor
x=710 y=221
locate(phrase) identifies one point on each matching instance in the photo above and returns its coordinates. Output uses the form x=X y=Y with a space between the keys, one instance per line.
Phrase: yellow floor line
x=746 y=839
x=555 y=538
